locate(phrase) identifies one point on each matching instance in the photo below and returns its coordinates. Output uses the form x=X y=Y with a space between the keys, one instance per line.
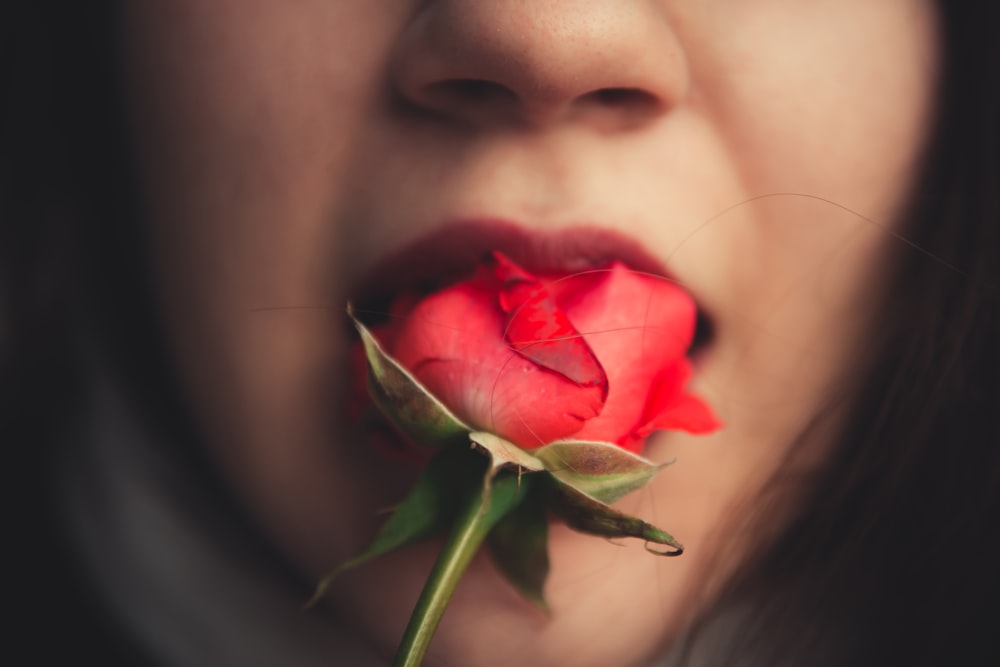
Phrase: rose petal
x=636 y=325
x=453 y=343
x=540 y=330
x=522 y=403
x=669 y=407
x=689 y=413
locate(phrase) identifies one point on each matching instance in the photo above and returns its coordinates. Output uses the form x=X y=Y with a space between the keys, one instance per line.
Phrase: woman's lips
x=451 y=253
x=454 y=250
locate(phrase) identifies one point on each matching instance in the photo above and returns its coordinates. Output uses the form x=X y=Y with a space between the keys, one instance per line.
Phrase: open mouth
x=451 y=254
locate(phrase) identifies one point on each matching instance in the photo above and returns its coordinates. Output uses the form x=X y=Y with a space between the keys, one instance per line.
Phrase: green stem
x=471 y=527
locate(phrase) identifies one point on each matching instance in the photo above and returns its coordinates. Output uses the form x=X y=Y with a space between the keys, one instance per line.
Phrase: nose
x=609 y=63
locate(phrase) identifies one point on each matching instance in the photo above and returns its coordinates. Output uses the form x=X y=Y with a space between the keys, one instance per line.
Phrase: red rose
x=594 y=356
x=579 y=369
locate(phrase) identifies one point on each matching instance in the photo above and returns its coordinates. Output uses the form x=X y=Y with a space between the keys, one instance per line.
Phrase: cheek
x=790 y=273
x=800 y=297
x=791 y=291
x=244 y=117
x=844 y=119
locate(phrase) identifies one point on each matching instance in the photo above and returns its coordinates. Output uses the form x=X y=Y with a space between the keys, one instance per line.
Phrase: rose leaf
x=602 y=470
x=519 y=545
x=587 y=515
x=429 y=509
x=406 y=402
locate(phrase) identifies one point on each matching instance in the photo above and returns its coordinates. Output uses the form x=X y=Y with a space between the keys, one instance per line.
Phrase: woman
x=820 y=178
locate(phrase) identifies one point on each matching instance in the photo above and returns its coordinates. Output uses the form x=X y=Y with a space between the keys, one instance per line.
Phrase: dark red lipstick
x=450 y=253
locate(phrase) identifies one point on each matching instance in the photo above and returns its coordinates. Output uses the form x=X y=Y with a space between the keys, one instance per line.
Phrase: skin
x=286 y=148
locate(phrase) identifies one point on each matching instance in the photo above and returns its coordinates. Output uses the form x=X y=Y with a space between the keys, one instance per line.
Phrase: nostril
x=634 y=98
x=475 y=100
x=467 y=92
x=522 y=65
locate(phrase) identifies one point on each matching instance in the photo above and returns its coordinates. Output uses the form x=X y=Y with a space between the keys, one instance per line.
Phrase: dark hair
x=892 y=555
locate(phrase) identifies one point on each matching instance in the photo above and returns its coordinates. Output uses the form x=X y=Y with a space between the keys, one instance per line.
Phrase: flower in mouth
x=558 y=381
x=596 y=356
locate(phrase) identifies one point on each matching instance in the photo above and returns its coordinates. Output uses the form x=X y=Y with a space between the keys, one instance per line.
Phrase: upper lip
x=451 y=252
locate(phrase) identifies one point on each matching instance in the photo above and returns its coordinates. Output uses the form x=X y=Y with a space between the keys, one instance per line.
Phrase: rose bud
x=593 y=356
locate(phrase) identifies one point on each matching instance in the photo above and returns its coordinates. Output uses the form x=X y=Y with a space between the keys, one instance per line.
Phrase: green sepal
x=504 y=454
x=406 y=402
x=602 y=470
x=587 y=515
x=519 y=543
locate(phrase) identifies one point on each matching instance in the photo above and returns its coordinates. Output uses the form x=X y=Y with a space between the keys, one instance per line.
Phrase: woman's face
x=288 y=149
